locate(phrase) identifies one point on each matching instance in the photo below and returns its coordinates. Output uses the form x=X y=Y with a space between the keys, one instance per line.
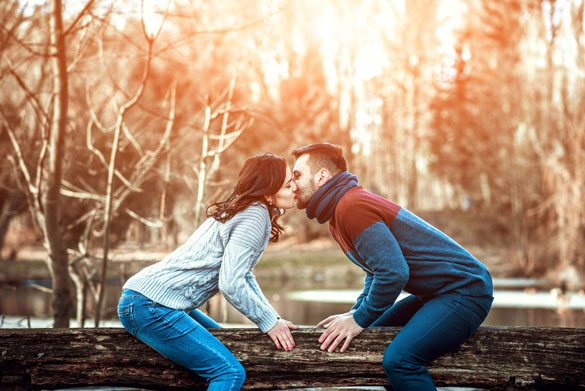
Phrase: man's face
x=305 y=181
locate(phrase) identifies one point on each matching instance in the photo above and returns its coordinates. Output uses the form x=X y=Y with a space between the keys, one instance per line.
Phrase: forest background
x=121 y=121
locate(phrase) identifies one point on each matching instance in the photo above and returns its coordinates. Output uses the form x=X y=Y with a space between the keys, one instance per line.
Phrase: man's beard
x=304 y=198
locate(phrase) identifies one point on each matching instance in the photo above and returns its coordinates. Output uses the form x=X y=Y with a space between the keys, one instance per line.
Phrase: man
x=450 y=290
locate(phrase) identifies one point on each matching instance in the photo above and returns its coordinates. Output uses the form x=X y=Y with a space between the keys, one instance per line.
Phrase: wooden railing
x=494 y=358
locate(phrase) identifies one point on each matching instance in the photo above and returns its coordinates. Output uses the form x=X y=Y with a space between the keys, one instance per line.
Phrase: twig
x=148 y=223
x=41 y=288
x=79 y=16
x=30 y=190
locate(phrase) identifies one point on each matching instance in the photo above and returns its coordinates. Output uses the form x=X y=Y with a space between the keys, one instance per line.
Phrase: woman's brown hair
x=261 y=176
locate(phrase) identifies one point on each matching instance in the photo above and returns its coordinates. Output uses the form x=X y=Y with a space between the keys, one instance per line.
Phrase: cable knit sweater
x=218 y=257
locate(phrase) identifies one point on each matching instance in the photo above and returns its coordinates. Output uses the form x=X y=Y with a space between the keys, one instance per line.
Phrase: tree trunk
x=62 y=303
x=202 y=180
x=533 y=358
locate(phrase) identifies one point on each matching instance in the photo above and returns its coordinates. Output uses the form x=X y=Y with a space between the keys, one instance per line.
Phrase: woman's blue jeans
x=182 y=338
x=430 y=329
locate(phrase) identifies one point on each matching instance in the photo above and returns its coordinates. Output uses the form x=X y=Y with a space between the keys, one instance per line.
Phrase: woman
x=159 y=304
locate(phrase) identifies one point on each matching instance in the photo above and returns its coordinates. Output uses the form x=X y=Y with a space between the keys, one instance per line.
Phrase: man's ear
x=323 y=176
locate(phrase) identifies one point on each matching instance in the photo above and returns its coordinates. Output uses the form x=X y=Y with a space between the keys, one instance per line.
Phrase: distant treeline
x=123 y=121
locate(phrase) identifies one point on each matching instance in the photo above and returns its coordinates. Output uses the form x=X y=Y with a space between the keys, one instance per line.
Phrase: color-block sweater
x=218 y=257
x=400 y=251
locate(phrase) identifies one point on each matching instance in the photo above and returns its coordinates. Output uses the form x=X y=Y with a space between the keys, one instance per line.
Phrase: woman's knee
x=234 y=374
x=240 y=373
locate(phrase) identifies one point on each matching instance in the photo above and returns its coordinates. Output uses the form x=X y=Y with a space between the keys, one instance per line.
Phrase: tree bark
x=62 y=302
x=202 y=179
x=532 y=358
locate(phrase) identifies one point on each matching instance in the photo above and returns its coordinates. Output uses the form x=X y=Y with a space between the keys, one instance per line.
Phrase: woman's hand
x=343 y=327
x=281 y=335
x=330 y=319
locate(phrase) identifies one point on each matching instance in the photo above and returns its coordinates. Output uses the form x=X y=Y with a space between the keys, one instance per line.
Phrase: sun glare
x=152 y=17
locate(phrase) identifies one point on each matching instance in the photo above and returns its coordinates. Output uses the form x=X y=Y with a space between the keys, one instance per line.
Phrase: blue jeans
x=182 y=338
x=430 y=329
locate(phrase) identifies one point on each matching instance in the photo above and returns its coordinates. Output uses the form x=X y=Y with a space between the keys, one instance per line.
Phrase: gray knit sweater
x=218 y=257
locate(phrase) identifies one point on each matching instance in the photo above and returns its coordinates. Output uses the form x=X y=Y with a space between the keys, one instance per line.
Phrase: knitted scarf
x=322 y=204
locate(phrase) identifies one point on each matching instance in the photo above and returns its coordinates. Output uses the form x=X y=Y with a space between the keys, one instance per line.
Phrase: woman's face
x=285 y=197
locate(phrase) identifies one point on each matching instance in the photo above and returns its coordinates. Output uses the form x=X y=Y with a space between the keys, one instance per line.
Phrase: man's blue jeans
x=430 y=329
x=183 y=338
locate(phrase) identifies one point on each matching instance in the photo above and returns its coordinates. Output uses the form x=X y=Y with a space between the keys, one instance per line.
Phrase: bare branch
x=81 y=44
x=27 y=45
x=81 y=195
x=102 y=159
x=85 y=10
x=40 y=288
x=92 y=113
x=83 y=218
x=195 y=35
x=21 y=162
x=132 y=139
x=230 y=142
x=155 y=35
x=134 y=215
x=28 y=93
x=106 y=24
x=84 y=242
x=108 y=207
x=147 y=161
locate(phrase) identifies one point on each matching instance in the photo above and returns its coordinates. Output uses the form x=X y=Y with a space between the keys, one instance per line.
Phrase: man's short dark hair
x=329 y=156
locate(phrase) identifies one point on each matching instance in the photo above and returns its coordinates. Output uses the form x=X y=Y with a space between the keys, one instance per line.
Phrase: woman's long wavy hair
x=261 y=176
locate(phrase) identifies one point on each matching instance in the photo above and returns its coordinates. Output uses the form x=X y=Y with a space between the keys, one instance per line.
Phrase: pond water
x=516 y=303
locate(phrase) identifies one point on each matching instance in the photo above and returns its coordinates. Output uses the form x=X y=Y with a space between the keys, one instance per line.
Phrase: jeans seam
x=132 y=319
x=160 y=317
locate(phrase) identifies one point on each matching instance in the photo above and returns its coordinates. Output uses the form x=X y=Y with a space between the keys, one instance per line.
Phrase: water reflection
x=510 y=308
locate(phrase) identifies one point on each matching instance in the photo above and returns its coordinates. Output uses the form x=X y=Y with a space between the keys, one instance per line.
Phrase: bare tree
x=558 y=137
x=227 y=134
x=46 y=204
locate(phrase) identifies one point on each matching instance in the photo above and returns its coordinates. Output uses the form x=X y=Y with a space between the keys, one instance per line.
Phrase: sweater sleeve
x=367 y=284
x=380 y=251
x=364 y=226
x=236 y=282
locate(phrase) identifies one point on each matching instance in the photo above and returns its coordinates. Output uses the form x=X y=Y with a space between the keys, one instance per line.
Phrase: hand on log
x=340 y=327
x=281 y=335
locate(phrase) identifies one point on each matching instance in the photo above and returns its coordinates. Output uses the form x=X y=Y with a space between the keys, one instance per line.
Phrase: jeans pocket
x=126 y=316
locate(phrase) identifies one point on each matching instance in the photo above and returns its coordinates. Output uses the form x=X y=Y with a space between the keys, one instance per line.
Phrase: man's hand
x=339 y=327
x=327 y=321
x=281 y=335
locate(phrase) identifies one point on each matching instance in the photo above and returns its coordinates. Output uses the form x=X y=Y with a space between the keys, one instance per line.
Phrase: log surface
x=494 y=358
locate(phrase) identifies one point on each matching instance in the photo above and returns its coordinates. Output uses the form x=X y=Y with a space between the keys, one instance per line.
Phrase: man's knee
x=396 y=363
x=406 y=371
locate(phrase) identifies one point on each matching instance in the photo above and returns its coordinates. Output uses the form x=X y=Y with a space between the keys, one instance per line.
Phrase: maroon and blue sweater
x=397 y=250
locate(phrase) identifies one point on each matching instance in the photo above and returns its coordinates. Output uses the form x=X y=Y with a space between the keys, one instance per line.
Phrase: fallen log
x=532 y=358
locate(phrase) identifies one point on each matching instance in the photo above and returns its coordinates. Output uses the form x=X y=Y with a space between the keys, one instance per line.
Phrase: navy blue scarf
x=322 y=204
